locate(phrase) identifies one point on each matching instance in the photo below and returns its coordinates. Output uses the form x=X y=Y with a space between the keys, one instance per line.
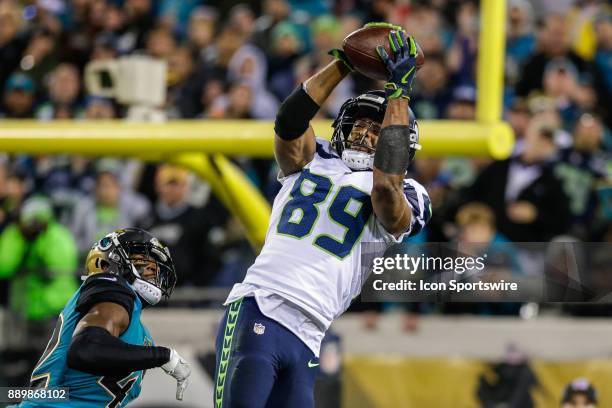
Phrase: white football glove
x=180 y=369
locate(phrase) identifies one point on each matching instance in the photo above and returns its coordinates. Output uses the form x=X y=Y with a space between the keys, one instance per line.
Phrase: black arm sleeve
x=95 y=351
x=105 y=287
x=393 y=149
x=294 y=114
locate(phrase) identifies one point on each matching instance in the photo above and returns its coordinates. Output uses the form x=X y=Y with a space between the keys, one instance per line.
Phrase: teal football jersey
x=87 y=390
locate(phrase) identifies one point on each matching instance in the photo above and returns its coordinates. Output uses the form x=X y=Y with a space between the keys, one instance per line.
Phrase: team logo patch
x=259 y=328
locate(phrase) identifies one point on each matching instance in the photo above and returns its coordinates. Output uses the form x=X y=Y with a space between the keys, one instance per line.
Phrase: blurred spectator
x=114 y=207
x=552 y=42
x=580 y=167
x=544 y=110
x=312 y=8
x=603 y=63
x=182 y=227
x=462 y=54
x=39 y=256
x=428 y=28
x=15 y=191
x=114 y=19
x=64 y=179
x=525 y=195
x=432 y=93
x=580 y=22
x=77 y=45
x=579 y=394
x=184 y=85
x=476 y=225
x=463 y=104
x=325 y=36
x=105 y=47
x=236 y=104
x=218 y=56
x=44 y=254
x=242 y=18
x=511 y=384
x=160 y=44
x=41 y=55
x=286 y=48
x=99 y=108
x=380 y=10
x=18 y=101
x=97 y=14
x=248 y=66
x=477 y=235
x=174 y=14
x=212 y=92
x=518 y=118
x=12 y=42
x=561 y=85
x=520 y=41
x=274 y=11
x=240 y=102
x=202 y=24
x=64 y=85
x=138 y=22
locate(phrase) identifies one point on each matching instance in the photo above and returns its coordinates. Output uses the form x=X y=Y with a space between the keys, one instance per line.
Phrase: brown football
x=360 y=49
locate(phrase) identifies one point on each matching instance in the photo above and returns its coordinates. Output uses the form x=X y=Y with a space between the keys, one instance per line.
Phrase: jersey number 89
x=350 y=208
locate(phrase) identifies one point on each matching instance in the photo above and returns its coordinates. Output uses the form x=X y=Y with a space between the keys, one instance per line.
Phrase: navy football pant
x=260 y=363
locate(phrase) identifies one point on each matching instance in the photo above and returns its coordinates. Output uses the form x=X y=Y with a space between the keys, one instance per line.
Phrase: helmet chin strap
x=148 y=291
x=358 y=160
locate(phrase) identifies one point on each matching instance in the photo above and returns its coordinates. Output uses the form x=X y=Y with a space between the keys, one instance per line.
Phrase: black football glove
x=402 y=68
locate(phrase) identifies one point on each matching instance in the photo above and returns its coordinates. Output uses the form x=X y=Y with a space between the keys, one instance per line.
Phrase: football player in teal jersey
x=100 y=349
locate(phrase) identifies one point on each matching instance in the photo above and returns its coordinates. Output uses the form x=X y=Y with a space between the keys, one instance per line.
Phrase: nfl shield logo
x=259 y=328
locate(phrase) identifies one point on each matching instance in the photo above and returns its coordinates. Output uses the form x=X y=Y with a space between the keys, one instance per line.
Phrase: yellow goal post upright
x=202 y=145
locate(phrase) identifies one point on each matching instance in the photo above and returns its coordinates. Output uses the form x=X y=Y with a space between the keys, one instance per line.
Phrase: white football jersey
x=311 y=260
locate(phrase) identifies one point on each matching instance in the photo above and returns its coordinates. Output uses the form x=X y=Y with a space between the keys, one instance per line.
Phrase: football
x=360 y=48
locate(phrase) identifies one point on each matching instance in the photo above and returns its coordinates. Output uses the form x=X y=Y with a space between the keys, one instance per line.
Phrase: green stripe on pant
x=228 y=335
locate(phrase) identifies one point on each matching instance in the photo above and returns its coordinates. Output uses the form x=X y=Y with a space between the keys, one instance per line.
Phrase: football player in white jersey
x=334 y=197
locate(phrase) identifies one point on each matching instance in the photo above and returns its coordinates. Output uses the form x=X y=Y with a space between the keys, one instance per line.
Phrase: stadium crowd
x=240 y=60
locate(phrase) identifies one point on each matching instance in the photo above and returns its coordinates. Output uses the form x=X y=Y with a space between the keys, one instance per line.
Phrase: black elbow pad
x=294 y=114
x=393 y=149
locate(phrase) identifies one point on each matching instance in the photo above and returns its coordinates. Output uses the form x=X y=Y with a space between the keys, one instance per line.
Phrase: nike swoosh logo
x=405 y=77
x=311 y=364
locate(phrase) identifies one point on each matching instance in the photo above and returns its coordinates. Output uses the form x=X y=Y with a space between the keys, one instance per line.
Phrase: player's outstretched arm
x=393 y=148
x=390 y=163
x=294 y=143
x=96 y=349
